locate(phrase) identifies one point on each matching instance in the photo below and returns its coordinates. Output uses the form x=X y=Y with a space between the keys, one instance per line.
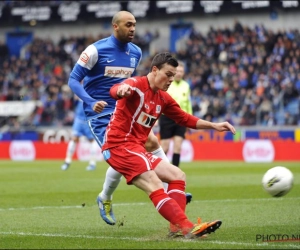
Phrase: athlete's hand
x=124 y=90
x=99 y=106
x=224 y=126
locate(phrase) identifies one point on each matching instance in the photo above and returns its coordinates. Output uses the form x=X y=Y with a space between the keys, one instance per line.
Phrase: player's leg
x=165 y=143
x=176 y=190
x=177 y=142
x=76 y=133
x=169 y=130
x=93 y=151
x=179 y=136
x=70 y=152
x=141 y=174
x=175 y=178
x=137 y=167
x=112 y=177
x=165 y=204
x=166 y=132
x=152 y=145
x=169 y=208
x=93 y=148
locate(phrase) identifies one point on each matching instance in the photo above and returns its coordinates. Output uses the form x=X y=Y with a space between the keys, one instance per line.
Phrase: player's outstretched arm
x=120 y=90
x=219 y=126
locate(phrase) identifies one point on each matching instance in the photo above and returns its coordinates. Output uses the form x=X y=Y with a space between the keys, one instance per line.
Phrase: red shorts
x=130 y=160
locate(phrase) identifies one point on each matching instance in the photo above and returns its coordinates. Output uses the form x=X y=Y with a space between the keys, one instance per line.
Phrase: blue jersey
x=101 y=65
x=80 y=126
x=79 y=111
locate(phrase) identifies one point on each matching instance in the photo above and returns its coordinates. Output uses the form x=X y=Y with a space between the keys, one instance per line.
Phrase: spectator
x=223 y=60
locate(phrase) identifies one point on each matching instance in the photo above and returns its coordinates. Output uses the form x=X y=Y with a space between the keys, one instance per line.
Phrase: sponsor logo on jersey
x=84 y=57
x=118 y=72
x=146 y=120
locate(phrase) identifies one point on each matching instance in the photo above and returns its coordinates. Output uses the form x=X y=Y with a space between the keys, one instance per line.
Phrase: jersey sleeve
x=88 y=57
x=86 y=62
x=174 y=112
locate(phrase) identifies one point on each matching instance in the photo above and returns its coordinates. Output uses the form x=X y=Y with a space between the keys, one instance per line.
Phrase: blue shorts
x=81 y=128
x=98 y=127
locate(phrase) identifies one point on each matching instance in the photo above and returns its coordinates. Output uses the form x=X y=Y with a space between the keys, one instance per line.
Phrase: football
x=278 y=181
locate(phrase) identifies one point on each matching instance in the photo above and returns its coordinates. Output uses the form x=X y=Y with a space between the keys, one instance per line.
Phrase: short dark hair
x=163 y=58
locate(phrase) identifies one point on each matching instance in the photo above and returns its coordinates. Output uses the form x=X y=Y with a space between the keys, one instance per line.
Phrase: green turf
x=42 y=207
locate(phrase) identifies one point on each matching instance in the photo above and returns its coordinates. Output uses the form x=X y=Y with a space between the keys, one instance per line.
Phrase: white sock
x=161 y=154
x=70 y=151
x=93 y=152
x=112 y=180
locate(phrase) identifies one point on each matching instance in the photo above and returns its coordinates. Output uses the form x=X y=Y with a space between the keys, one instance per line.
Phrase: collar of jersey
x=122 y=46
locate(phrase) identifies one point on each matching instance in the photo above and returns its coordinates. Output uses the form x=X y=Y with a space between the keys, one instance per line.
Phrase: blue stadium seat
x=293 y=107
x=279 y=116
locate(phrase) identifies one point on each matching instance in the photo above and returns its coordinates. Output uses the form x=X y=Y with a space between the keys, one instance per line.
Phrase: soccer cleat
x=188 y=197
x=201 y=229
x=179 y=234
x=90 y=167
x=65 y=166
x=175 y=234
x=106 y=211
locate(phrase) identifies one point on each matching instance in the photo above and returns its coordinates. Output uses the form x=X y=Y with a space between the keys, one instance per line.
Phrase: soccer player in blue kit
x=80 y=128
x=101 y=65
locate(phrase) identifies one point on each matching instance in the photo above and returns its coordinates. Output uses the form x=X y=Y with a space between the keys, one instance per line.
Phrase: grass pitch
x=42 y=207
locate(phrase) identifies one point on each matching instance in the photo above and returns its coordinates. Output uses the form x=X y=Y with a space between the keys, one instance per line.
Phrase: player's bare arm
x=99 y=106
x=221 y=126
x=124 y=90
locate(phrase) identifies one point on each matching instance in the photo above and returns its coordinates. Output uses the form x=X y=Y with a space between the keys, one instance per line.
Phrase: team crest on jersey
x=146 y=106
x=132 y=62
x=158 y=109
x=146 y=120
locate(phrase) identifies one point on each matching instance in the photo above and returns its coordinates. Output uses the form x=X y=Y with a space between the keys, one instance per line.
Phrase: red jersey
x=135 y=115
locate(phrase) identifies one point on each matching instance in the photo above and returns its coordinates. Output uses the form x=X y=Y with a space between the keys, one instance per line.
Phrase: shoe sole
x=211 y=227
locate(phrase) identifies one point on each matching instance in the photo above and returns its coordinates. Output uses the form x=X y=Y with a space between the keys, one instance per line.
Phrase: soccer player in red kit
x=140 y=102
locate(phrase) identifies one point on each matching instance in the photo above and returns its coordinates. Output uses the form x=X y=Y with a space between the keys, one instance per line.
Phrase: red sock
x=170 y=210
x=176 y=191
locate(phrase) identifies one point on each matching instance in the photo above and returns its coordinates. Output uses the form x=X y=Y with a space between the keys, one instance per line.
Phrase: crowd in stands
x=248 y=76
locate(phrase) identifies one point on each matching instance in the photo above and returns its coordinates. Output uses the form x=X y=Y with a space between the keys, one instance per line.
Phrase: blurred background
x=242 y=63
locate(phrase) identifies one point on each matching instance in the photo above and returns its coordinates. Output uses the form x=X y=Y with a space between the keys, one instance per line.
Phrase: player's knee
x=177 y=149
x=152 y=143
x=165 y=145
x=179 y=174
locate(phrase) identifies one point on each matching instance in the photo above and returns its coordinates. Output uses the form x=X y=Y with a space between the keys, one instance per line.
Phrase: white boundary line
x=144 y=203
x=145 y=239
